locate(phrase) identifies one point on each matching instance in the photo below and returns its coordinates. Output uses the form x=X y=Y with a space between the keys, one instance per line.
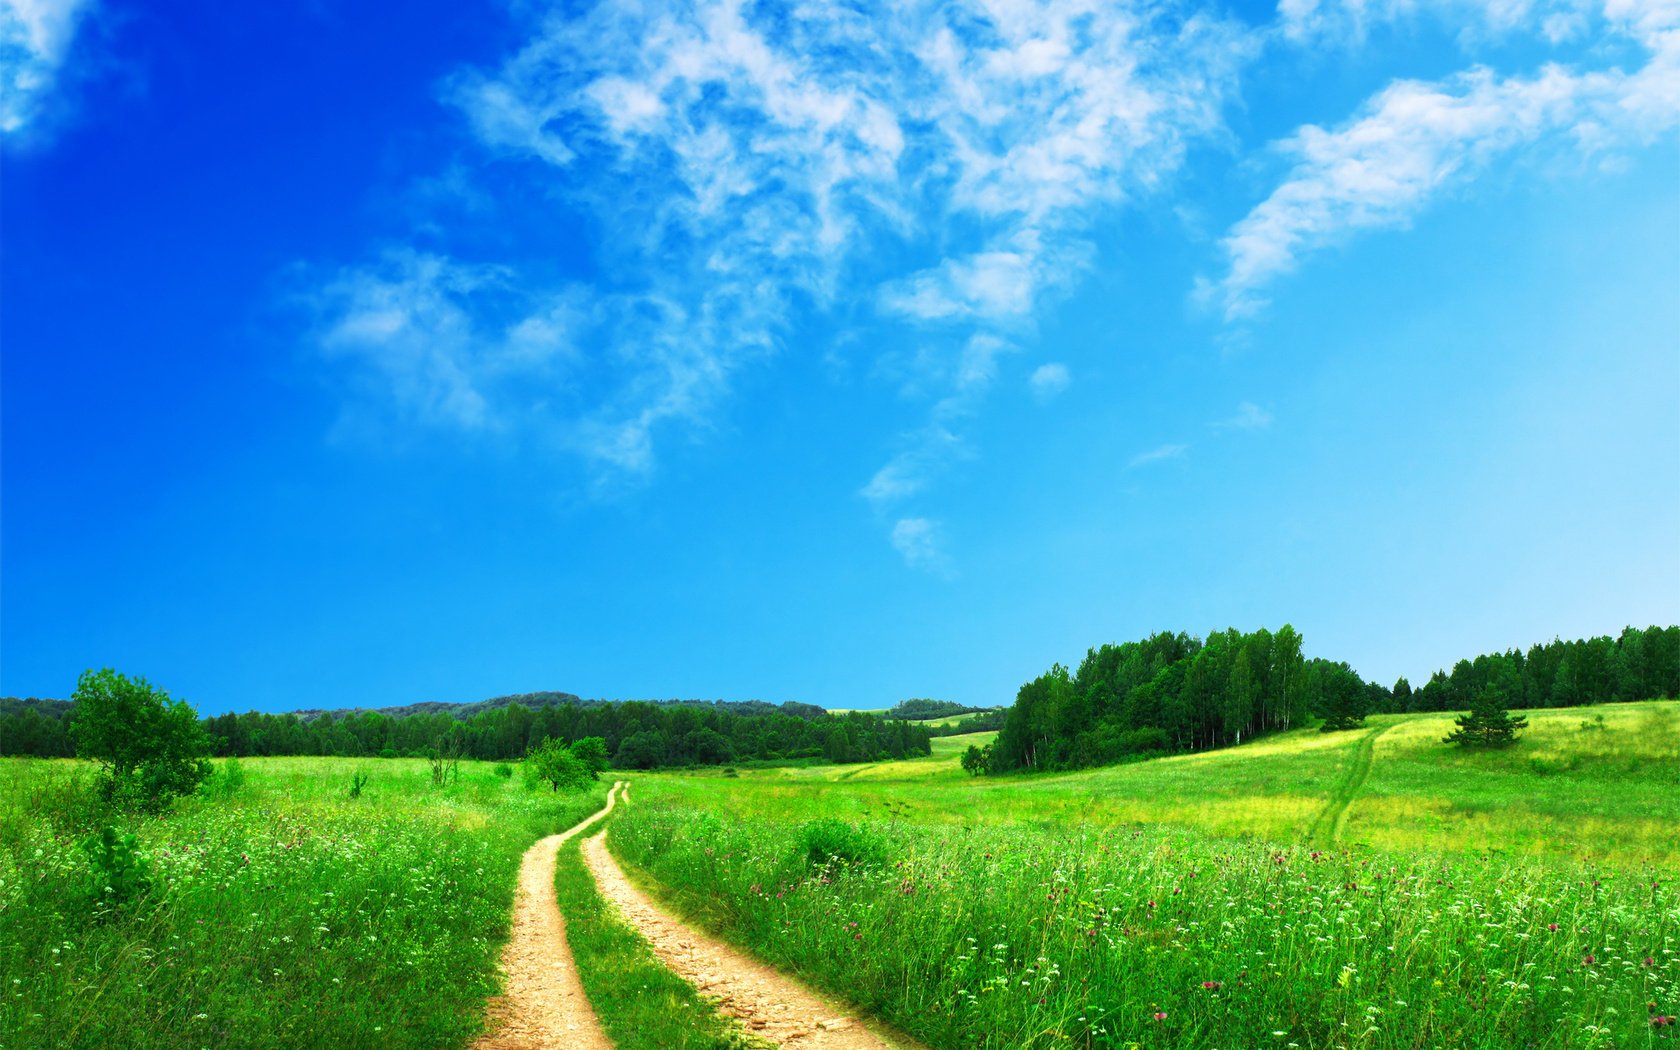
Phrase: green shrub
x=118 y=874
x=389 y=752
x=226 y=782
x=504 y=770
x=830 y=841
x=149 y=748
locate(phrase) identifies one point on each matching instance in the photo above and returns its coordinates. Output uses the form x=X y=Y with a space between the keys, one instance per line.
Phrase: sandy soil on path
x=543 y=1005
x=767 y=1003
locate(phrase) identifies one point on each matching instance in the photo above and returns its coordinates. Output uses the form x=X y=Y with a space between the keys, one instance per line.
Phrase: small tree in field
x=592 y=752
x=977 y=760
x=149 y=748
x=1488 y=724
x=553 y=763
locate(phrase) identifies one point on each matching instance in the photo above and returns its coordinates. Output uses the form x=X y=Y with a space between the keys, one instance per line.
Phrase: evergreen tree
x=1488 y=724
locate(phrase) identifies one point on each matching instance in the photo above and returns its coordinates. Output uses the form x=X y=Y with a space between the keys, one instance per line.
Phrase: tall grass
x=281 y=911
x=1521 y=898
x=1018 y=937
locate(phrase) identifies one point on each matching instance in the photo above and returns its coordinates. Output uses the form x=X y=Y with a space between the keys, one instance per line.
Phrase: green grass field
x=1375 y=888
x=1369 y=889
x=284 y=913
x=1609 y=794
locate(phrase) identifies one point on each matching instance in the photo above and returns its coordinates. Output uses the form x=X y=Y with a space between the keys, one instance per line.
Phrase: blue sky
x=361 y=355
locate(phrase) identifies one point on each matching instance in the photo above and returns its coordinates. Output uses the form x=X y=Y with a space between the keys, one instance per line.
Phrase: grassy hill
x=1600 y=783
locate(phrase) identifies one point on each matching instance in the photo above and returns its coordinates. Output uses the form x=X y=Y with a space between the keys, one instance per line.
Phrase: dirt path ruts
x=1327 y=827
x=767 y=1003
x=543 y=1005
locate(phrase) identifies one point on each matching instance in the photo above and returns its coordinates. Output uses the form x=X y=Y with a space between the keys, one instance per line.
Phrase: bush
x=226 y=782
x=553 y=763
x=118 y=874
x=829 y=841
x=389 y=752
x=504 y=770
x=149 y=748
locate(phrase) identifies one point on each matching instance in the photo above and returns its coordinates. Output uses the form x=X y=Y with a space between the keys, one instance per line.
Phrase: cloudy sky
x=363 y=354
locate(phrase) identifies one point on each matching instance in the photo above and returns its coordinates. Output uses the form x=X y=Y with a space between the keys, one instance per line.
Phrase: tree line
x=1638 y=664
x=637 y=734
x=1175 y=692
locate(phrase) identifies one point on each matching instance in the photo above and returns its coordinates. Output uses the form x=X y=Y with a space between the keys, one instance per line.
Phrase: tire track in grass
x=543 y=1006
x=768 y=1003
x=641 y=1003
x=1326 y=828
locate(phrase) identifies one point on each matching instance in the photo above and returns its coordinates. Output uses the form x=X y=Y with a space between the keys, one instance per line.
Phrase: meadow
x=282 y=912
x=1368 y=889
x=1285 y=893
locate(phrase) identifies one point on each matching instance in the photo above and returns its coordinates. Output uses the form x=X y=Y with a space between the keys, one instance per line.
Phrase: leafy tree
x=643 y=750
x=592 y=752
x=554 y=764
x=149 y=748
x=1488 y=724
x=1343 y=697
x=977 y=760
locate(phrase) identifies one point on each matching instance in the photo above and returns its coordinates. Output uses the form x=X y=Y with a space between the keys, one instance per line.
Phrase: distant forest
x=925 y=709
x=639 y=734
x=1174 y=692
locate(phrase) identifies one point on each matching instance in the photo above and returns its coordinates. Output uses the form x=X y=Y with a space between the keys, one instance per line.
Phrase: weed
x=831 y=842
x=118 y=875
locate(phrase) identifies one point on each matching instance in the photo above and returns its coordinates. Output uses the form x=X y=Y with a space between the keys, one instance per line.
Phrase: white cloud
x=942 y=163
x=921 y=544
x=1158 y=454
x=471 y=348
x=1415 y=140
x=1348 y=22
x=35 y=38
x=907 y=474
x=1249 y=416
x=989 y=286
x=1048 y=380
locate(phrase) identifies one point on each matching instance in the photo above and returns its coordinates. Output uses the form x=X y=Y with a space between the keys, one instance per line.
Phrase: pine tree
x=1488 y=724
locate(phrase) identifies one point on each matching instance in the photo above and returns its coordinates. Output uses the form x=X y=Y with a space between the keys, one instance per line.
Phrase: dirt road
x=543 y=1006
x=767 y=1003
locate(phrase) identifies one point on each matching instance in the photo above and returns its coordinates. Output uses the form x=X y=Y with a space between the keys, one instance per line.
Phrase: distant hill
x=12 y=705
x=921 y=709
x=57 y=709
x=465 y=711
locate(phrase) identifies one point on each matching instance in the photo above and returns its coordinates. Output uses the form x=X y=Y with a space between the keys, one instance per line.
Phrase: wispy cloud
x=35 y=38
x=1047 y=381
x=925 y=161
x=920 y=543
x=1415 y=140
x=1249 y=416
x=475 y=348
x=1159 y=454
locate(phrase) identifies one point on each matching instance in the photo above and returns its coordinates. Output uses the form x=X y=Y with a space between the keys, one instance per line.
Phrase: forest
x=1175 y=692
x=639 y=734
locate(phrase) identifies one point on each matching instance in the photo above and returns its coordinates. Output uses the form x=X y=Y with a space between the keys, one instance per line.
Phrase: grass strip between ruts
x=639 y=1002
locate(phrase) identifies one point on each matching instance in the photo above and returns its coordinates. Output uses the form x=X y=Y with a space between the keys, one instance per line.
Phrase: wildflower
x=1210 y=985
x=1552 y=926
x=1663 y=1021
x=1159 y=1015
